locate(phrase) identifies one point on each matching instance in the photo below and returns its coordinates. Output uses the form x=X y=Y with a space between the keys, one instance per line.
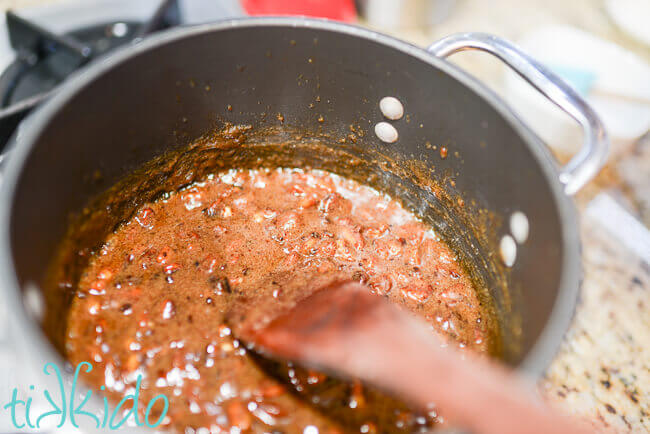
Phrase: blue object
x=581 y=80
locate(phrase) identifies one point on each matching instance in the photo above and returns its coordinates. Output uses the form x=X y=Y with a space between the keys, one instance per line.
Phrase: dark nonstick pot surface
x=154 y=97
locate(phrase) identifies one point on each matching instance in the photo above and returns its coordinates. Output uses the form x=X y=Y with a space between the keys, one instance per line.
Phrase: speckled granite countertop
x=602 y=371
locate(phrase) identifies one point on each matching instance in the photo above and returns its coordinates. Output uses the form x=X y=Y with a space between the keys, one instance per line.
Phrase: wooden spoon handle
x=352 y=333
x=477 y=394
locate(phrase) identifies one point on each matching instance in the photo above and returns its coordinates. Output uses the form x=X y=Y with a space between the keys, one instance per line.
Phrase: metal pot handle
x=3 y=162
x=591 y=157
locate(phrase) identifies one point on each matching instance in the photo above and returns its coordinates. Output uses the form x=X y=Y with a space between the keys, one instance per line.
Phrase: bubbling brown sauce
x=155 y=301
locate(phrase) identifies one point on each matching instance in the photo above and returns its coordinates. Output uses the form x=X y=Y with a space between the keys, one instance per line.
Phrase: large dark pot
x=123 y=110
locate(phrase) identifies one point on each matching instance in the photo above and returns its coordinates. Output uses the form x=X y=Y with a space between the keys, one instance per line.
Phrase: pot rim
x=22 y=143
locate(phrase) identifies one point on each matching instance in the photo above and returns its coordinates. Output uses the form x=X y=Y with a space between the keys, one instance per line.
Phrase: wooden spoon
x=347 y=331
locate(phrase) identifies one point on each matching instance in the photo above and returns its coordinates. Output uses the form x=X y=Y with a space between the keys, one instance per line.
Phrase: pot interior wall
x=320 y=84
